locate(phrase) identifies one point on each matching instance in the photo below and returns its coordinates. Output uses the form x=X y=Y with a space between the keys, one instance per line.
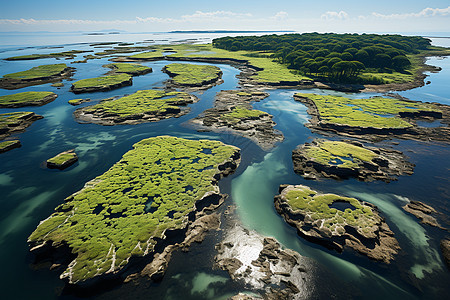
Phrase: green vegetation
x=377 y=112
x=332 y=152
x=268 y=71
x=40 y=72
x=68 y=54
x=8 y=145
x=121 y=49
x=13 y=119
x=26 y=98
x=123 y=212
x=77 y=101
x=98 y=83
x=154 y=54
x=62 y=159
x=131 y=69
x=192 y=75
x=317 y=207
x=141 y=102
x=240 y=113
x=339 y=57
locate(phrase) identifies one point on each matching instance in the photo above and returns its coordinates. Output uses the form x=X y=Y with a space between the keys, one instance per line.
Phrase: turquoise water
x=29 y=192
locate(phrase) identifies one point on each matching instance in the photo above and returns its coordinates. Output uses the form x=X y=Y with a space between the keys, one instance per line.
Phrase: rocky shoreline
x=20 y=121
x=361 y=228
x=257 y=127
x=383 y=164
x=263 y=265
x=423 y=212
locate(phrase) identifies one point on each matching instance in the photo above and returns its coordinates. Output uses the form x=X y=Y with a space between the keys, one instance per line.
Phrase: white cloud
x=427 y=12
x=334 y=15
x=198 y=16
x=281 y=16
x=214 y=15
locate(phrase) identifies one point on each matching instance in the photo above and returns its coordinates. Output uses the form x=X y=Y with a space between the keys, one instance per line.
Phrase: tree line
x=339 y=57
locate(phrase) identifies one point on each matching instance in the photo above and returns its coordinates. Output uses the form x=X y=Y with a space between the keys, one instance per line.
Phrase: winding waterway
x=29 y=192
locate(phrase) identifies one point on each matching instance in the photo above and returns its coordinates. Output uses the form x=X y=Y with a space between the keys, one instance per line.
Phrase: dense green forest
x=335 y=57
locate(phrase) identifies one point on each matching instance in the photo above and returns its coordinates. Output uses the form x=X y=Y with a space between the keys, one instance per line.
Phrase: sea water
x=29 y=192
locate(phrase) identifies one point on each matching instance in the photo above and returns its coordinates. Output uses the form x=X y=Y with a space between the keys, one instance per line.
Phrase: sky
x=161 y=16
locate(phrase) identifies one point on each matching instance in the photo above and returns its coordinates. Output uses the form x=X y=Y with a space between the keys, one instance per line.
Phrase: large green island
x=154 y=191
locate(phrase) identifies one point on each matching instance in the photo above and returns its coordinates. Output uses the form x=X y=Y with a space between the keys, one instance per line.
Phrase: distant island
x=228 y=31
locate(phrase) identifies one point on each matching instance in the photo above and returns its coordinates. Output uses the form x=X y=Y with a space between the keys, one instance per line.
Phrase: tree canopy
x=339 y=57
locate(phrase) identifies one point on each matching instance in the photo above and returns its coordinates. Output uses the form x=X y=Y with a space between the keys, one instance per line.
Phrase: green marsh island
x=63 y=160
x=156 y=188
x=337 y=222
x=128 y=68
x=102 y=83
x=36 y=76
x=189 y=75
x=27 y=99
x=142 y=213
x=9 y=145
x=376 y=118
x=140 y=107
x=343 y=160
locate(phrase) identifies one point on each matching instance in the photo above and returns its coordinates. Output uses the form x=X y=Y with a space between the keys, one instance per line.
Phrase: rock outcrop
x=233 y=112
x=262 y=264
x=445 y=249
x=423 y=212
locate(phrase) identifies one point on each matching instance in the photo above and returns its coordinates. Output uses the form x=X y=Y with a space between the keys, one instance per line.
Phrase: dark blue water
x=29 y=192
